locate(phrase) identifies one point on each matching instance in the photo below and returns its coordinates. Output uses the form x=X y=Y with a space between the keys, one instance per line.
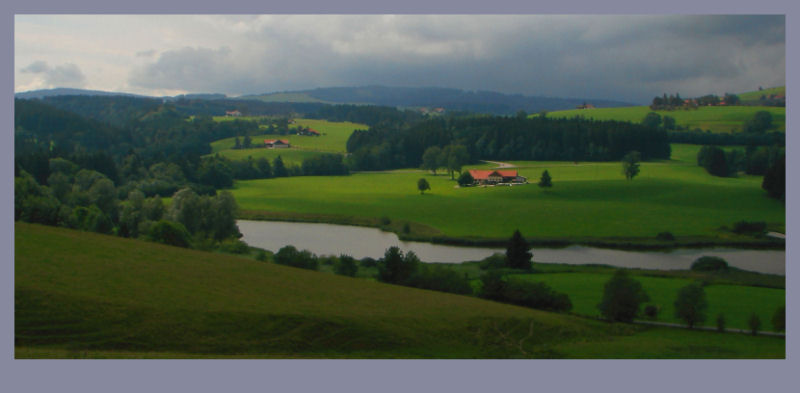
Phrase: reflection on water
x=360 y=242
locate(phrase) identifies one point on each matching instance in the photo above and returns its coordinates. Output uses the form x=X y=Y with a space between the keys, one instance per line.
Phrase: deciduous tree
x=622 y=297
x=691 y=304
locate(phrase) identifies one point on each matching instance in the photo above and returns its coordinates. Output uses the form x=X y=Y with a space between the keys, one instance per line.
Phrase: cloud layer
x=617 y=57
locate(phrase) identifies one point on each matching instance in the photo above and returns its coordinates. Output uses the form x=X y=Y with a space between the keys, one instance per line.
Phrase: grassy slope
x=735 y=302
x=588 y=200
x=755 y=95
x=79 y=294
x=334 y=140
x=715 y=119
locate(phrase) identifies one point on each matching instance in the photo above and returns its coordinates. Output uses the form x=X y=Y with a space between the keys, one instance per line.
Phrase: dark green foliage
x=710 y=264
x=465 y=179
x=171 y=233
x=517 y=254
x=754 y=322
x=439 y=278
x=748 y=227
x=775 y=180
x=278 y=168
x=324 y=165
x=503 y=138
x=691 y=305
x=368 y=262
x=779 y=319
x=651 y=311
x=396 y=268
x=759 y=123
x=261 y=256
x=713 y=159
x=545 y=180
x=669 y=123
x=536 y=295
x=494 y=261
x=630 y=164
x=290 y=256
x=622 y=296
x=493 y=285
x=422 y=185
x=666 y=236
x=34 y=203
x=652 y=120
x=430 y=159
x=720 y=323
x=234 y=246
x=346 y=266
x=385 y=220
x=406 y=228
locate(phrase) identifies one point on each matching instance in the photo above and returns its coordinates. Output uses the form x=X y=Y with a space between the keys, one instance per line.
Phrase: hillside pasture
x=587 y=200
x=719 y=119
x=735 y=302
x=80 y=294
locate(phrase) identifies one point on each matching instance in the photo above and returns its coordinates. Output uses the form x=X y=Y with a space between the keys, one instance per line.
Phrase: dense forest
x=506 y=138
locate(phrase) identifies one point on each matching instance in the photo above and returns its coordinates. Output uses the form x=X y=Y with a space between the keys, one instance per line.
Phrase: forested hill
x=435 y=97
x=506 y=138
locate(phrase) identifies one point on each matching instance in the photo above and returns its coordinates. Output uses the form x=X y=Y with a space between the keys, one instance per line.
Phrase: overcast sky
x=628 y=58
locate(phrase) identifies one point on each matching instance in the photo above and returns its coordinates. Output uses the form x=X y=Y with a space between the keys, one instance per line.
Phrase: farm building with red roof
x=496 y=176
x=276 y=143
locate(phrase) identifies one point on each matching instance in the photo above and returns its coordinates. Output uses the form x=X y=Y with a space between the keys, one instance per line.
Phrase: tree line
x=505 y=138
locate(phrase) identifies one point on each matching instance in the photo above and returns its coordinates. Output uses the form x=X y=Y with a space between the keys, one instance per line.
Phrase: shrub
x=651 y=311
x=691 y=304
x=385 y=220
x=169 y=232
x=406 y=228
x=720 y=323
x=622 y=296
x=234 y=246
x=709 y=264
x=754 y=323
x=261 y=256
x=536 y=295
x=494 y=261
x=666 y=236
x=465 y=179
x=745 y=227
x=368 y=262
x=346 y=266
x=439 y=278
x=290 y=256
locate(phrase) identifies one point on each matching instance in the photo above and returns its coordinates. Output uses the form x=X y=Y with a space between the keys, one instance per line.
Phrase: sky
x=627 y=58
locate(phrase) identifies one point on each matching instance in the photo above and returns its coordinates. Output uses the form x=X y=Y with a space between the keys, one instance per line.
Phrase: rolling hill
x=80 y=294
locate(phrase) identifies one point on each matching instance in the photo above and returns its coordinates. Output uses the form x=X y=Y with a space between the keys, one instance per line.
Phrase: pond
x=360 y=242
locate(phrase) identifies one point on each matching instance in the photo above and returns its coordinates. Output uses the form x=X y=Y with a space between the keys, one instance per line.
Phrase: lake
x=360 y=242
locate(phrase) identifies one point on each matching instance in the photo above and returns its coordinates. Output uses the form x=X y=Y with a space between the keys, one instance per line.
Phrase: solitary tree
x=278 y=169
x=691 y=304
x=622 y=296
x=755 y=323
x=630 y=164
x=720 y=323
x=517 y=254
x=423 y=185
x=545 y=180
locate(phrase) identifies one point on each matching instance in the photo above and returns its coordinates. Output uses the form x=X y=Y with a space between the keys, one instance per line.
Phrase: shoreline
x=423 y=233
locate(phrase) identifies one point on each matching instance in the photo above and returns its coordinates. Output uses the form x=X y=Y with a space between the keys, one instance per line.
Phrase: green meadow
x=333 y=140
x=80 y=294
x=755 y=95
x=587 y=201
x=714 y=119
x=735 y=302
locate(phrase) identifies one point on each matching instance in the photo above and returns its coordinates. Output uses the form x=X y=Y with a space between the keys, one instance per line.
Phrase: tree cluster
x=407 y=270
x=504 y=138
x=536 y=295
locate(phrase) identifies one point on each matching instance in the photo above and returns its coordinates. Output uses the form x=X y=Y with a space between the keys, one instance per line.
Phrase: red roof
x=313 y=131
x=484 y=174
x=273 y=141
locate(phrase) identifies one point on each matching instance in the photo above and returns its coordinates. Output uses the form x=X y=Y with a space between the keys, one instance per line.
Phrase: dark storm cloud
x=620 y=57
x=65 y=75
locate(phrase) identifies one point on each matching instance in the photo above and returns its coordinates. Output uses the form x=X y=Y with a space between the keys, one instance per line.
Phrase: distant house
x=233 y=113
x=497 y=176
x=585 y=106
x=308 y=132
x=276 y=143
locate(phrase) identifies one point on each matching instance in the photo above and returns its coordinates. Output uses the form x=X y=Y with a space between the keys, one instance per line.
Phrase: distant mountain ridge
x=436 y=97
x=408 y=97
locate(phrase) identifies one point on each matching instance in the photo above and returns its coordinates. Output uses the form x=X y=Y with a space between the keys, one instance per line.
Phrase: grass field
x=587 y=200
x=333 y=140
x=81 y=294
x=714 y=119
x=735 y=302
x=755 y=95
